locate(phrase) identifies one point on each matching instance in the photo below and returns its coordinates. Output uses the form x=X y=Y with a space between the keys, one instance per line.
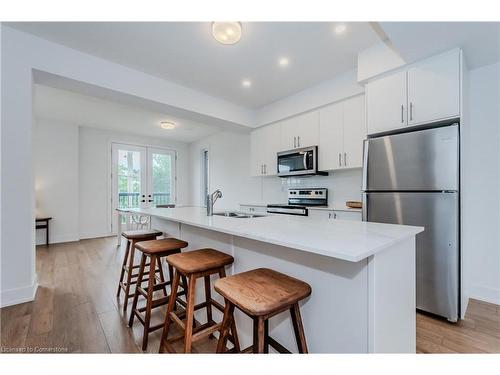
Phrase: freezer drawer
x=419 y=160
x=437 y=248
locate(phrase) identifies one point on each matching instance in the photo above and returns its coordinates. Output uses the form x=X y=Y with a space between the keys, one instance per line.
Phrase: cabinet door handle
x=340 y=160
x=329 y=215
x=345 y=159
x=402 y=113
x=262 y=169
x=298 y=141
x=265 y=168
x=294 y=142
x=334 y=215
x=411 y=111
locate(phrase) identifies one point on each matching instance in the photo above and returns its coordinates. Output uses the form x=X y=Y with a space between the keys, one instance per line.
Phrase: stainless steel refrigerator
x=413 y=178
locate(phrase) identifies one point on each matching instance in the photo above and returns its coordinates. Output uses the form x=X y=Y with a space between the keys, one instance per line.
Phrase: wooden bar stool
x=155 y=250
x=133 y=236
x=194 y=265
x=262 y=294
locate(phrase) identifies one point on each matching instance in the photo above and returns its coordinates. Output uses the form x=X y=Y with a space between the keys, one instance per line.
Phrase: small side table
x=43 y=223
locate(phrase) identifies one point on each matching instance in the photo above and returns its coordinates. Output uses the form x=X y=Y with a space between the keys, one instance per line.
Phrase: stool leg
x=208 y=299
x=298 y=328
x=122 y=273
x=162 y=277
x=236 y=341
x=170 y=308
x=226 y=324
x=149 y=301
x=140 y=276
x=258 y=335
x=188 y=333
x=129 y=274
x=266 y=335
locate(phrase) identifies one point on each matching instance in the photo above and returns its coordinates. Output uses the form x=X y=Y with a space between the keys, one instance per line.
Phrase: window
x=204 y=176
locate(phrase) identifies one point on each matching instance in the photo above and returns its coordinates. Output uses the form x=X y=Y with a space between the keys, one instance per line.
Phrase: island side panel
x=335 y=315
x=392 y=299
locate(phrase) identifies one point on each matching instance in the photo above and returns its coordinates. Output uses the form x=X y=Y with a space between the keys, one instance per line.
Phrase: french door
x=141 y=177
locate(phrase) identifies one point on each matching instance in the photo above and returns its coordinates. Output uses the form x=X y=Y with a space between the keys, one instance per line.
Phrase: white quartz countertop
x=342 y=239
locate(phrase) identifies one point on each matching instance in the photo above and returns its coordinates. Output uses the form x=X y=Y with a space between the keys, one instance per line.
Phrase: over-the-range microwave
x=299 y=162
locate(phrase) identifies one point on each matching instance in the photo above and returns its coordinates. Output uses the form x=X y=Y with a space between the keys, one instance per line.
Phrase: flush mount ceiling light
x=246 y=83
x=167 y=125
x=226 y=32
x=340 y=28
x=283 y=61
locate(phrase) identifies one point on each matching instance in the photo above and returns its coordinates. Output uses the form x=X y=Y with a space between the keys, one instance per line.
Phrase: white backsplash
x=342 y=186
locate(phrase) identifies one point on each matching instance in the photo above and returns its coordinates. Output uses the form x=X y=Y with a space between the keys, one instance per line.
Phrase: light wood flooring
x=76 y=310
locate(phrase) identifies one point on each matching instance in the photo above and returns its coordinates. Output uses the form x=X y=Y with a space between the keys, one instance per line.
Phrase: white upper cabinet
x=264 y=145
x=342 y=130
x=354 y=131
x=428 y=91
x=386 y=103
x=300 y=131
x=331 y=130
x=434 y=89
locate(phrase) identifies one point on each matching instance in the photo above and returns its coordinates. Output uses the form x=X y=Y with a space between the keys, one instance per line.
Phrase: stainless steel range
x=299 y=200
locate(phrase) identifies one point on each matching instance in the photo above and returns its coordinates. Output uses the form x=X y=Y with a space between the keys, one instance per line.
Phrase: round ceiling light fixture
x=246 y=83
x=340 y=28
x=226 y=32
x=283 y=62
x=167 y=125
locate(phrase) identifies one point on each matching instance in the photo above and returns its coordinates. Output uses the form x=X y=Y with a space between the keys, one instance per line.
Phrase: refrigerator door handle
x=364 y=207
x=365 y=165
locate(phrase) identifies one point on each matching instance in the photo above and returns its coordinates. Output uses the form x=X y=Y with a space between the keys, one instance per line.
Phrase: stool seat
x=262 y=291
x=199 y=260
x=162 y=246
x=141 y=234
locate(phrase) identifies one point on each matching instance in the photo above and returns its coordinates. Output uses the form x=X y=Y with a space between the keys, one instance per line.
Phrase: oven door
x=297 y=162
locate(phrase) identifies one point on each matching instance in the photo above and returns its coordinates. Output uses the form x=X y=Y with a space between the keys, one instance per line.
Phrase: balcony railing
x=129 y=200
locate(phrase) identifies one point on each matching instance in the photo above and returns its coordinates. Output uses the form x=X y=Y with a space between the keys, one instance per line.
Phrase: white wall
x=56 y=179
x=95 y=170
x=229 y=165
x=481 y=186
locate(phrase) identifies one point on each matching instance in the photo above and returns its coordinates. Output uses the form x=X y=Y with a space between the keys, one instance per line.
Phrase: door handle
x=402 y=114
x=345 y=159
x=411 y=111
x=262 y=169
x=340 y=160
x=298 y=141
x=265 y=169
x=294 y=142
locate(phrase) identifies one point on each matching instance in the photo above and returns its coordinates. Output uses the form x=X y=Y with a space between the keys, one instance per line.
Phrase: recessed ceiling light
x=340 y=28
x=226 y=32
x=283 y=61
x=167 y=125
x=246 y=83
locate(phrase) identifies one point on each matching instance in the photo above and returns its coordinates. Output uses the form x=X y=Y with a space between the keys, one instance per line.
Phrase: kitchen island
x=362 y=274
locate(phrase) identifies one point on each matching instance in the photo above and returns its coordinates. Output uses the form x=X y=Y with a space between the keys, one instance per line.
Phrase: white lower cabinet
x=253 y=208
x=335 y=214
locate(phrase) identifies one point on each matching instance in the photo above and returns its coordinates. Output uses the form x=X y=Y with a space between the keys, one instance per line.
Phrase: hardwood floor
x=75 y=310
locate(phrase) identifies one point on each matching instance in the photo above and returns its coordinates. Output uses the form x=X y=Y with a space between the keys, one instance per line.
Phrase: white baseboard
x=60 y=239
x=18 y=295
x=84 y=236
x=484 y=293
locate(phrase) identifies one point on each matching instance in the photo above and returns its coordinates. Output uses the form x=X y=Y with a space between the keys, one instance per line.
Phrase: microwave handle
x=305 y=160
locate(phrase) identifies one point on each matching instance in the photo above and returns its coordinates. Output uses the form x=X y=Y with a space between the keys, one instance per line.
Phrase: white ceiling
x=65 y=106
x=186 y=53
x=480 y=41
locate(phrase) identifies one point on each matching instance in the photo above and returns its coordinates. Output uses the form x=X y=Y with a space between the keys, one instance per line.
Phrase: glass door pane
x=161 y=166
x=128 y=177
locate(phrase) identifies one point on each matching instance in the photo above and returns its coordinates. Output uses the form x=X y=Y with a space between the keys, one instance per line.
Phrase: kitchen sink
x=237 y=215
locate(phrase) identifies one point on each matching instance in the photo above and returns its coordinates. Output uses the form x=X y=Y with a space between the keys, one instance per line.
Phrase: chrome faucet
x=211 y=198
